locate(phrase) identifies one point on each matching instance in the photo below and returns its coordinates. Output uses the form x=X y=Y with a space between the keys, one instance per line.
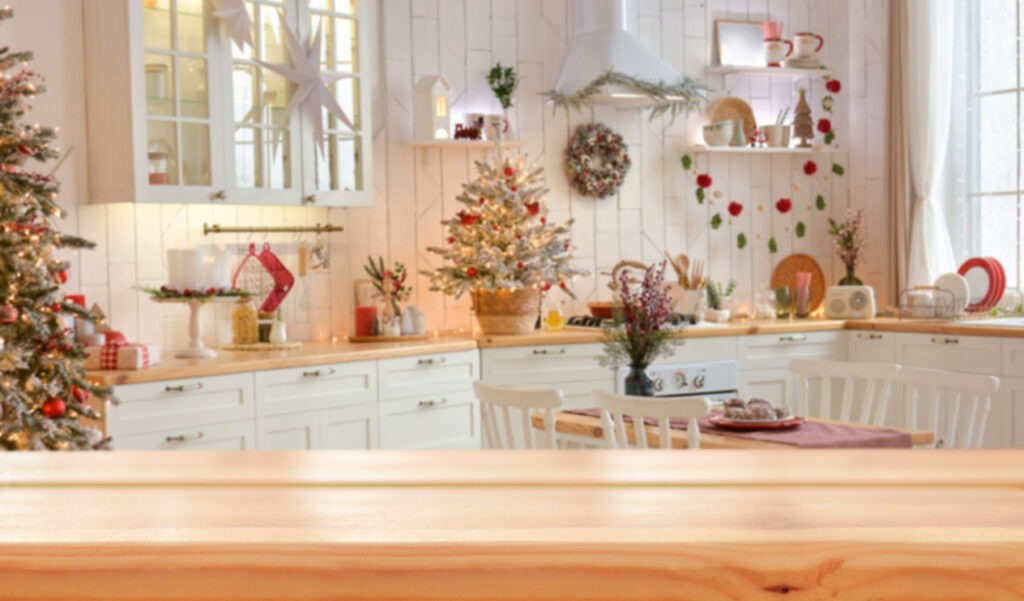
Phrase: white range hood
x=602 y=42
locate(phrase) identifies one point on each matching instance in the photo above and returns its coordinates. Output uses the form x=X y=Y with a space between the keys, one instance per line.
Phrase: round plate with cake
x=755 y=414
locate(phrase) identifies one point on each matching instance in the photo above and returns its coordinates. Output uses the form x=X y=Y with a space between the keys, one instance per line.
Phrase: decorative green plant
x=503 y=82
x=717 y=296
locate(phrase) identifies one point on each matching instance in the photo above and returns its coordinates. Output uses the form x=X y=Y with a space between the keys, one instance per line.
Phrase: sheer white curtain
x=928 y=55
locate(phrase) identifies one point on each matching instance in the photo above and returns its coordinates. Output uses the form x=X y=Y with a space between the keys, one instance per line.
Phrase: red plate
x=984 y=300
x=779 y=424
x=1001 y=287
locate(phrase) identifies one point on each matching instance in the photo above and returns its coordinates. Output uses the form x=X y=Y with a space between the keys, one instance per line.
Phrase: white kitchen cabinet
x=967 y=354
x=177 y=113
x=571 y=368
x=871 y=347
x=764 y=361
x=231 y=436
x=353 y=428
x=427 y=401
x=179 y=405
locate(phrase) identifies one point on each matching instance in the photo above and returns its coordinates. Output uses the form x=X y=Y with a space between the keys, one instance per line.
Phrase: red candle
x=365 y=316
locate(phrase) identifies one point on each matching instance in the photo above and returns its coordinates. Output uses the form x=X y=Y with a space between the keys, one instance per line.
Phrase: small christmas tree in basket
x=501 y=247
x=43 y=386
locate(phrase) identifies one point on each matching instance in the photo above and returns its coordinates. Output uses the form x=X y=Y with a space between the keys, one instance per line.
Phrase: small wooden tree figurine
x=803 y=123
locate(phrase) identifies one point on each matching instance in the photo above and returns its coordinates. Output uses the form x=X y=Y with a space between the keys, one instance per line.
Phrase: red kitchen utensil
x=1001 y=286
x=264 y=276
x=982 y=279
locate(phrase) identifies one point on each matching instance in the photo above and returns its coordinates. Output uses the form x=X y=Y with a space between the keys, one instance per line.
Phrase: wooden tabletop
x=515 y=526
x=587 y=426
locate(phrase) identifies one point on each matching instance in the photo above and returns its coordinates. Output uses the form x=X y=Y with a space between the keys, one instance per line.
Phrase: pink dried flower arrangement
x=849 y=237
x=639 y=332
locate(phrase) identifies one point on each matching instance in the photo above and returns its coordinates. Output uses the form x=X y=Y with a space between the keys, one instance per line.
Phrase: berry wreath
x=597 y=160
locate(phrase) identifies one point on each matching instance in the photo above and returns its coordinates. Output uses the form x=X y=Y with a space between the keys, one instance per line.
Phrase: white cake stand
x=196 y=349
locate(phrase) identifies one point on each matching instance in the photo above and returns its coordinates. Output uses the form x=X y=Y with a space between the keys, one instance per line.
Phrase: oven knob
x=698 y=381
x=659 y=385
x=680 y=379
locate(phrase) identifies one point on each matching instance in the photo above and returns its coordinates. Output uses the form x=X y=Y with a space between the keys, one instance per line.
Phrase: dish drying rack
x=944 y=305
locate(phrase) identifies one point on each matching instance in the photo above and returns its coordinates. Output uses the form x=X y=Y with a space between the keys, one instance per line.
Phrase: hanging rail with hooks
x=325 y=228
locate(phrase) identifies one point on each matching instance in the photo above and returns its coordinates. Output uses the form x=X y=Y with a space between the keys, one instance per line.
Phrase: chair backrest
x=616 y=407
x=857 y=392
x=954 y=406
x=500 y=425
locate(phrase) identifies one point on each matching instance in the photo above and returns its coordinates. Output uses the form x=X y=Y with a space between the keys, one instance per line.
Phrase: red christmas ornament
x=735 y=208
x=55 y=307
x=25 y=150
x=187 y=292
x=482 y=200
x=519 y=265
x=54 y=408
x=704 y=180
x=810 y=168
x=468 y=218
x=509 y=172
x=81 y=395
x=784 y=205
x=543 y=220
x=61 y=277
x=546 y=286
x=833 y=86
x=471 y=272
x=451 y=240
x=494 y=227
x=513 y=188
x=824 y=126
x=567 y=245
x=562 y=284
x=211 y=291
x=8 y=314
x=533 y=208
x=519 y=238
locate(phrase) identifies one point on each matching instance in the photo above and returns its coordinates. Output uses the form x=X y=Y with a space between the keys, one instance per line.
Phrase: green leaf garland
x=687 y=162
x=741 y=241
x=819 y=202
x=716 y=221
x=801 y=229
x=700 y=195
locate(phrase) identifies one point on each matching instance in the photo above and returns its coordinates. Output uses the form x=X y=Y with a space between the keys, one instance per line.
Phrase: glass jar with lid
x=244 y=322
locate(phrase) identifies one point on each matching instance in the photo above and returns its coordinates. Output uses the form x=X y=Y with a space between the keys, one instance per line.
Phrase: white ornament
x=312 y=91
x=236 y=22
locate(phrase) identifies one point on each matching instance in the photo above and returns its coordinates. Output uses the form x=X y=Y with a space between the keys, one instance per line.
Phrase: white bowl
x=718 y=134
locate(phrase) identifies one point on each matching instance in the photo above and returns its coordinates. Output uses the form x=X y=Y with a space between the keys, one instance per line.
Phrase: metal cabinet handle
x=945 y=341
x=538 y=351
x=308 y=200
x=431 y=361
x=219 y=195
x=318 y=373
x=185 y=387
x=869 y=336
x=792 y=338
x=432 y=403
x=186 y=437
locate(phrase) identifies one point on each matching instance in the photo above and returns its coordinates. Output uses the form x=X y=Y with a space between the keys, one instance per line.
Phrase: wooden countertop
x=532 y=525
x=935 y=326
x=704 y=330
x=311 y=353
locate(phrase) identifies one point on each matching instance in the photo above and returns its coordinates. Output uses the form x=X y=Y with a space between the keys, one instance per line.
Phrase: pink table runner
x=809 y=435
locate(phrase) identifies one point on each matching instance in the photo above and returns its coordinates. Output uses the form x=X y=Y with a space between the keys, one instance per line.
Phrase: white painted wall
x=461 y=39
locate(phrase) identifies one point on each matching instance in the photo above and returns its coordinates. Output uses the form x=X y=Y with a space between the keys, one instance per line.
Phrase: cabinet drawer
x=871 y=347
x=174 y=404
x=1013 y=356
x=232 y=436
x=301 y=389
x=702 y=349
x=538 y=365
x=965 y=354
x=420 y=375
x=449 y=421
x=777 y=350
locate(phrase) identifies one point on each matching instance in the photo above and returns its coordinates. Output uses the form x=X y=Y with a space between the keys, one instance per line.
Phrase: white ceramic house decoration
x=431 y=114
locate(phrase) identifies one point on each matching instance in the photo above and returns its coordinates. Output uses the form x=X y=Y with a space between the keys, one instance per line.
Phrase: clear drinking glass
x=783 y=302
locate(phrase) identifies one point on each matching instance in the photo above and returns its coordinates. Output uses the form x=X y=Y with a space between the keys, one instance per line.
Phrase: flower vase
x=638 y=383
x=850 y=279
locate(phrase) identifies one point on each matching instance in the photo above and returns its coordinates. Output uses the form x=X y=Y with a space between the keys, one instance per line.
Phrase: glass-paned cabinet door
x=263 y=148
x=181 y=162
x=336 y=166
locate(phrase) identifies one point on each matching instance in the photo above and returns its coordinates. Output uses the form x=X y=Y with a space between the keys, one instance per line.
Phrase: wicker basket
x=506 y=311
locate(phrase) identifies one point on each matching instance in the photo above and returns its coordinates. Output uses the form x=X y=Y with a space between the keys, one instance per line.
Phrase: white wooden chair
x=954 y=406
x=615 y=407
x=857 y=392
x=496 y=414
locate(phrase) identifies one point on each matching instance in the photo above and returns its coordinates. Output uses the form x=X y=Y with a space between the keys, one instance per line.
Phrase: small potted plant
x=848 y=236
x=503 y=82
x=390 y=284
x=639 y=332
x=718 y=301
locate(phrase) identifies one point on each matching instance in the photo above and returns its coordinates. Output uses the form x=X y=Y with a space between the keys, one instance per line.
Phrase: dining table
x=587 y=431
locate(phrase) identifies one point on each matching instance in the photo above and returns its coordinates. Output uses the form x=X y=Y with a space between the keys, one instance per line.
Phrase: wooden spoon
x=684 y=269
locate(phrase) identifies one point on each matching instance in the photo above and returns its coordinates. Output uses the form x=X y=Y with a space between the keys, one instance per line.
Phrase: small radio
x=850 y=302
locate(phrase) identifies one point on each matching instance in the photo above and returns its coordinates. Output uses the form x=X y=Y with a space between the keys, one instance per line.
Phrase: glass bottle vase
x=638 y=383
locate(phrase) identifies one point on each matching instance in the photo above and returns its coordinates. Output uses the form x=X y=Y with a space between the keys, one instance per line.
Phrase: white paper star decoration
x=235 y=21
x=311 y=92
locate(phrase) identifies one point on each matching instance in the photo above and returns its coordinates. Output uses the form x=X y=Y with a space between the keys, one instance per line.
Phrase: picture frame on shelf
x=739 y=43
x=365 y=293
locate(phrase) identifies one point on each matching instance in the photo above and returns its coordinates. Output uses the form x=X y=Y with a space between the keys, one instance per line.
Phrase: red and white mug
x=776 y=51
x=807 y=44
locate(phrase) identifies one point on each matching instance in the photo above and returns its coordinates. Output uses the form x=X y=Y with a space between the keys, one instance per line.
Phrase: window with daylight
x=985 y=150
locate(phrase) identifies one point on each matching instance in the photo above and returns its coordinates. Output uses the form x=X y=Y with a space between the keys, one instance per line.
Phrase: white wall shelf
x=779 y=71
x=460 y=143
x=752 y=150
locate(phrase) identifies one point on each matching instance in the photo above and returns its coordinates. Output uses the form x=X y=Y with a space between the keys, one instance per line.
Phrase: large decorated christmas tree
x=501 y=240
x=43 y=387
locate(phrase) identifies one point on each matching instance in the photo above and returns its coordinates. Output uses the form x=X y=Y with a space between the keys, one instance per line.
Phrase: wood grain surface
x=590 y=427
x=542 y=525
